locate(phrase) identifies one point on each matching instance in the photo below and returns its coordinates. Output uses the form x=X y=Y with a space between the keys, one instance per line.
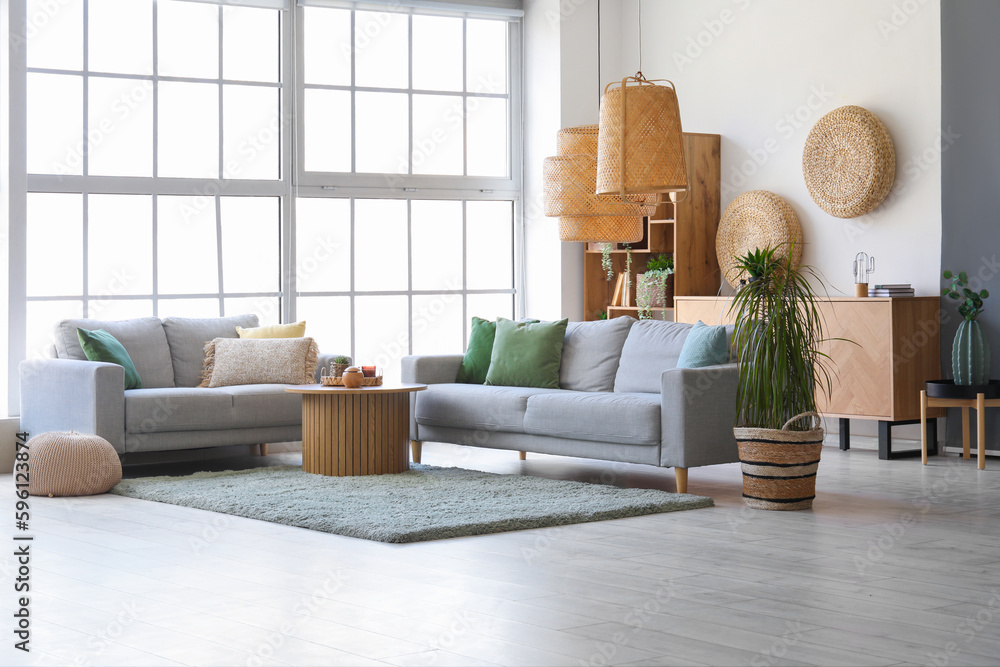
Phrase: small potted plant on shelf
x=777 y=340
x=970 y=352
x=655 y=287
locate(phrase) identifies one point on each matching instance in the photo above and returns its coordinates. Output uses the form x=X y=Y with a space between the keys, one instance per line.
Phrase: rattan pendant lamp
x=570 y=185
x=570 y=180
x=640 y=147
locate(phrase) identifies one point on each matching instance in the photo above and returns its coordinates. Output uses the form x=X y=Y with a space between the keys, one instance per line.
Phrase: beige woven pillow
x=232 y=361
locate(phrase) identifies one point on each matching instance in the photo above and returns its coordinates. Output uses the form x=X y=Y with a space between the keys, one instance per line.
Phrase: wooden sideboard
x=896 y=348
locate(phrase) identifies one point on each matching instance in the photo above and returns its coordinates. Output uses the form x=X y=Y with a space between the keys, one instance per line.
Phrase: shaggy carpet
x=425 y=503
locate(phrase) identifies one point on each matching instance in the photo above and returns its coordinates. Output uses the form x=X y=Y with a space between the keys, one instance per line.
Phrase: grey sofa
x=170 y=412
x=621 y=398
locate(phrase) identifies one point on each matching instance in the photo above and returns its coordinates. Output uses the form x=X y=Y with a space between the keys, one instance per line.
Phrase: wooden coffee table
x=363 y=431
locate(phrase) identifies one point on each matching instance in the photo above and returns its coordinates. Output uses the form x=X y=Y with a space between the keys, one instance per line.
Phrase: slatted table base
x=355 y=434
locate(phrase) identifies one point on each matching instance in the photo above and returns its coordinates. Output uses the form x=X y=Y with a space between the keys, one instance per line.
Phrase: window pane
x=251 y=132
x=186 y=246
x=41 y=317
x=490 y=237
x=323 y=245
x=380 y=245
x=382 y=121
x=490 y=306
x=55 y=34
x=187 y=39
x=487 y=132
x=328 y=130
x=119 y=309
x=382 y=338
x=437 y=53
x=436 y=230
x=250 y=43
x=54 y=245
x=486 y=44
x=437 y=134
x=266 y=308
x=120 y=129
x=120 y=244
x=55 y=124
x=328 y=320
x=188 y=308
x=381 y=47
x=437 y=323
x=251 y=244
x=327 y=46
x=120 y=36
x=188 y=136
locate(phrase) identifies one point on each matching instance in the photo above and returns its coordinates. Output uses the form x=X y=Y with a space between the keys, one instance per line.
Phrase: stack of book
x=893 y=290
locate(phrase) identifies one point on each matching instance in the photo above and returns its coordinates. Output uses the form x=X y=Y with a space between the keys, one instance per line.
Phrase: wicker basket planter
x=779 y=465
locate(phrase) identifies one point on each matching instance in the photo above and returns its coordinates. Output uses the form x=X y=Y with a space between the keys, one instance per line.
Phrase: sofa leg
x=263 y=449
x=416 y=447
x=681 y=474
x=523 y=455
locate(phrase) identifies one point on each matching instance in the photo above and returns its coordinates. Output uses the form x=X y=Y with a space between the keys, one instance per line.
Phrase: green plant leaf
x=963 y=278
x=984 y=294
x=948 y=275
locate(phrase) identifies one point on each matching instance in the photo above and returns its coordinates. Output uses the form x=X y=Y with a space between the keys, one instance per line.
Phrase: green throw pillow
x=476 y=362
x=704 y=346
x=527 y=354
x=99 y=345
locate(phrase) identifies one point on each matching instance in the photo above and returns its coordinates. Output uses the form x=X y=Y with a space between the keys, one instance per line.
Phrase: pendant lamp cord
x=639 y=29
x=600 y=91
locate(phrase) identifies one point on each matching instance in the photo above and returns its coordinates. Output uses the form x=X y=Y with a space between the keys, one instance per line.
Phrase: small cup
x=369 y=371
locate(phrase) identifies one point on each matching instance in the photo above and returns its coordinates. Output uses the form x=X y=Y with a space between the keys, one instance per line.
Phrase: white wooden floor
x=896 y=564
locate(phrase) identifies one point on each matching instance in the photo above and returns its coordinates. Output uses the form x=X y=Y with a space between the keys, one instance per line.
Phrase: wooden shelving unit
x=685 y=229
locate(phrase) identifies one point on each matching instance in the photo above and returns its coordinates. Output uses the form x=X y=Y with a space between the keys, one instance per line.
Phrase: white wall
x=762 y=72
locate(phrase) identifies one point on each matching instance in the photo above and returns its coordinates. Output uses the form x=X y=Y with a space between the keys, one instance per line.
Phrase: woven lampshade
x=569 y=182
x=849 y=162
x=755 y=219
x=640 y=145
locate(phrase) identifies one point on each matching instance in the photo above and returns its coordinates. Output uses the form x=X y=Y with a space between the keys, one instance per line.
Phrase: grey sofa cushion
x=143 y=338
x=491 y=408
x=629 y=419
x=590 y=354
x=187 y=337
x=210 y=409
x=652 y=347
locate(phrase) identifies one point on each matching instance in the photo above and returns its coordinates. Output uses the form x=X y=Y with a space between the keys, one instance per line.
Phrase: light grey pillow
x=590 y=354
x=652 y=347
x=142 y=338
x=187 y=338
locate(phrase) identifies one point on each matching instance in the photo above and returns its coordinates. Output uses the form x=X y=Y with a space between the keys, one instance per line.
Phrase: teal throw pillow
x=99 y=345
x=476 y=362
x=527 y=354
x=704 y=346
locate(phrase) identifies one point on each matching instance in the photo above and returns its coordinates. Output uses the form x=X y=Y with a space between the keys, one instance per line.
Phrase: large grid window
x=356 y=168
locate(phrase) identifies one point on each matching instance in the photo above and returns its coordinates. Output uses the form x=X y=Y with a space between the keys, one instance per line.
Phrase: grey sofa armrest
x=431 y=368
x=698 y=409
x=325 y=361
x=66 y=394
x=428 y=369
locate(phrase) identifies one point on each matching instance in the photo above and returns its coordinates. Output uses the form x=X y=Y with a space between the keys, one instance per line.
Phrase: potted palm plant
x=776 y=341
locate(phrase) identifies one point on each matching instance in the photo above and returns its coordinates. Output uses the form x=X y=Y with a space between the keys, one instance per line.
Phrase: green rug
x=426 y=503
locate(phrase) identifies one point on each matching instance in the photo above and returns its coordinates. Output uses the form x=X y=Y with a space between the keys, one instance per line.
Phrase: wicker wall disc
x=601 y=229
x=755 y=219
x=849 y=162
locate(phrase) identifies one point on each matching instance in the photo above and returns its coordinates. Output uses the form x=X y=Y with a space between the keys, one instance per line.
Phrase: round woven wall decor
x=755 y=219
x=849 y=163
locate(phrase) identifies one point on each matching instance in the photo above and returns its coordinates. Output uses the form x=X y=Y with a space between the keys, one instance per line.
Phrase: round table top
x=384 y=389
x=949 y=390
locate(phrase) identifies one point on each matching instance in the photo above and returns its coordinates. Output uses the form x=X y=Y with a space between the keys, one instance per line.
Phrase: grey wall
x=970 y=173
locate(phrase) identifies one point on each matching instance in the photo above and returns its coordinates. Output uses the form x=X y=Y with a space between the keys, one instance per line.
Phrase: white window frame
x=294 y=182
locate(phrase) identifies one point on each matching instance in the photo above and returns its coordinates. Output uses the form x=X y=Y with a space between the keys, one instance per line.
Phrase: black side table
x=947 y=394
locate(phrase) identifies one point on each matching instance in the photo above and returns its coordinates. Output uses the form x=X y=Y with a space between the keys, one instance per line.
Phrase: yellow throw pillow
x=296 y=330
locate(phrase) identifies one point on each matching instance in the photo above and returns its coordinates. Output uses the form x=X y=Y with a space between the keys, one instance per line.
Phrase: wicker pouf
x=71 y=464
